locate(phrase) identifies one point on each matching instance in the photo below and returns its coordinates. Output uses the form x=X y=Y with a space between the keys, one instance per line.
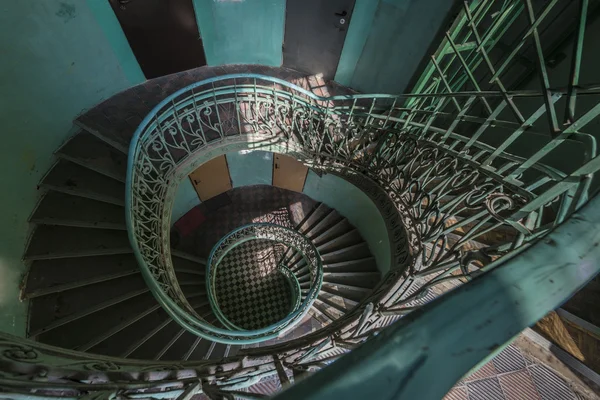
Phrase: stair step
x=318 y=310
x=183 y=265
x=330 y=310
x=115 y=120
x=154 y=328
x=344 y=293
x=57 y=208
x=85 y=330
x=333 y=302
x=367 y=280
x=218 y=351
x=346 y=240
x=71 y=178
x=334 y=231
x=158 y=337
x=88 y=151
x=58 y=275
x=343 y=302
x=312 y=218
x=190 y=257
x=327 y=220
x=130 y=338
x=363 y=287
x=179 y=348
x=358 y=251
x=363 y=264
x=49 y=242
x=61 y=308
x=132 y=332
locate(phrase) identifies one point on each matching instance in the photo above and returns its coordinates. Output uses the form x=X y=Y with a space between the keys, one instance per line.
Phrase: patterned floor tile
x=510 y=359
x=457 y=393
x=251 y=291
x=485 y=389
x=519 y=385
x=487 y=371
x=549 y=385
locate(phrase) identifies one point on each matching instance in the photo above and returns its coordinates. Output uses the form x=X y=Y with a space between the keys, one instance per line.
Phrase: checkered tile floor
x=250 y=290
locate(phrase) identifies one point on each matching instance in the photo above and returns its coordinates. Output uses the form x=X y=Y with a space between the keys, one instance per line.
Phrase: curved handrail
x=182 y=131
x=279 y=234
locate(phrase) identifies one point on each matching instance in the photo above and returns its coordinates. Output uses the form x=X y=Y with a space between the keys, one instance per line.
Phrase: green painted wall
x=386 y=41
x=250 y=168
x=241 y=31
x=256 y=168
x=360 y=210
x=186 y=198
x=57 y=60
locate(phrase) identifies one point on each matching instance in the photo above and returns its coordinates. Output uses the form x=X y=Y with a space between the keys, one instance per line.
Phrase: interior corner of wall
x=106 y=18
x=356 y=38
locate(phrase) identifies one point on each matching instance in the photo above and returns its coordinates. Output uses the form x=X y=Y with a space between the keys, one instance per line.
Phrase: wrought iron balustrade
x=465 y=170
x=278 y=235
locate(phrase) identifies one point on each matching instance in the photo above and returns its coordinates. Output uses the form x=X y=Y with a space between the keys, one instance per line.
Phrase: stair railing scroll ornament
x=437 y=162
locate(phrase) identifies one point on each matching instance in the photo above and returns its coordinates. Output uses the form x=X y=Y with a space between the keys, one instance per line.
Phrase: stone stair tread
x=48 y=309
x=328 y=220
x=189 y=257
x=150 y=329
x=346 y=294
x=331 y=311
x=158 y=334
x=346 y=240
x=57 y=208
x=121 y=342
x=71 y=178
x=57 y=275
x=85 y=329
x=367 y=264
x=326 y=316
x=48 y=242
x=357 y=251
x=135 y=334
x=162 y=343
x=89 y=151
x=313 y=217
x=341 y=227
x=179 y=348
x=333 y=301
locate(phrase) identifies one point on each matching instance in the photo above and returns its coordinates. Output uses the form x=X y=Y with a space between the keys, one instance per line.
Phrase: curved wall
x=256 y=168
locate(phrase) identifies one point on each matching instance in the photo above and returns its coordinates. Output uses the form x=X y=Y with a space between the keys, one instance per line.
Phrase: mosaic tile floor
x=251 y=292
x=511 y=375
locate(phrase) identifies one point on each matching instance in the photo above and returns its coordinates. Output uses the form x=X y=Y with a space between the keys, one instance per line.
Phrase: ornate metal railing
x=464 y=162
x=280 y=235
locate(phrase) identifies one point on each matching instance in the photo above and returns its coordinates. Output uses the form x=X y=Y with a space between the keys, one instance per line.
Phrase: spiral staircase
x=121 y=309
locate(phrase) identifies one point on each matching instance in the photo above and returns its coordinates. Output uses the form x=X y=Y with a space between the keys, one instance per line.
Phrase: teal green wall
x=186 y=198
x=56 y=61
x=360 y=210
x=250 y=168
x=241 y=31
x=386 y=41
x=256 y=168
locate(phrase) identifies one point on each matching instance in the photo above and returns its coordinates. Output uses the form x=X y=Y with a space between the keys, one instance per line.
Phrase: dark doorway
x=314 y=35
x=163 y=34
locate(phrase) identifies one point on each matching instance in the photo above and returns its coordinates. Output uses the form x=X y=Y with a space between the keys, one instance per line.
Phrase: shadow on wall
x=56 y=62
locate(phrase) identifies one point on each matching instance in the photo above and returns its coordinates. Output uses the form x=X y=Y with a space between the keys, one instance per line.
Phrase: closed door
x=163 y=34
x=211 y=178
x=315 y=31
x=288 y=173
